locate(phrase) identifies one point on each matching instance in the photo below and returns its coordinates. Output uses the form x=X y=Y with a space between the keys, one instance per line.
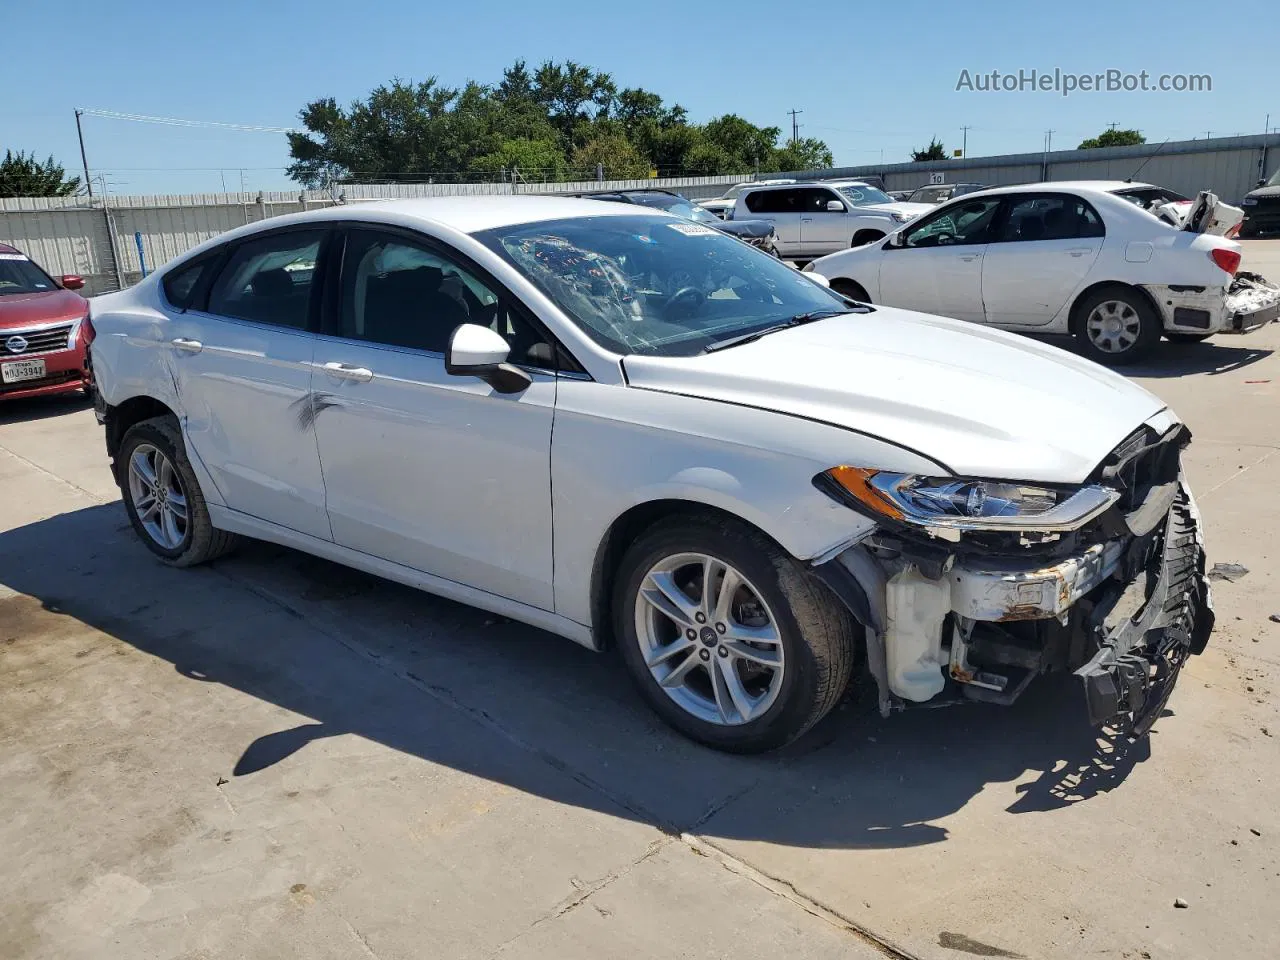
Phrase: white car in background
x=1060 y=258
x=723 y=204
x=752 y=486
x=823 y=216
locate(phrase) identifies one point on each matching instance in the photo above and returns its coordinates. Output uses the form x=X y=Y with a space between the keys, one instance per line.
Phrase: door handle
x=187 y=345
x=344 y=371
x=968 y=257
x=1080 y=251
x=806 y=219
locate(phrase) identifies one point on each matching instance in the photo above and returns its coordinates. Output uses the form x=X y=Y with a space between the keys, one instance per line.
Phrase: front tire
x=729 y=640
x=163 y=498
x=1117 y=326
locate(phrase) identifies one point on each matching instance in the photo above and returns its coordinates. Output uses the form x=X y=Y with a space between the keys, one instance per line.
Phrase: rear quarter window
x=182 y=283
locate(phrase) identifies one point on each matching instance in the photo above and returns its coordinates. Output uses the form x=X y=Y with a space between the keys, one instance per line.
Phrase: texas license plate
x=18 y=370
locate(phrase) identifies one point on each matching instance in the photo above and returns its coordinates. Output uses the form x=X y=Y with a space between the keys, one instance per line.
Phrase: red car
x=44 y=330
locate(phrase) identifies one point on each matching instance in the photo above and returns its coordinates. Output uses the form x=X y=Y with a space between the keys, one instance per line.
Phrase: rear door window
x=774 y=201
x=269 y=279
x=1050 y=217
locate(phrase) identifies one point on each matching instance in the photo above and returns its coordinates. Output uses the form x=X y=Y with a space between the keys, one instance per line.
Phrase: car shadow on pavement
x=1178 y=359
x=450 y=684
x=41 y=408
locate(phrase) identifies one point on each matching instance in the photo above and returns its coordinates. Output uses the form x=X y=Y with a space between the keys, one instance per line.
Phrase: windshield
x=1275 y=179
x=651 y=285
x=676 y=205
x=860 y=193
x=20 y=275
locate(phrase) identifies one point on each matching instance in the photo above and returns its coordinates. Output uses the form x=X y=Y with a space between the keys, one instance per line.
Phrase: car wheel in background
x=1247 y=231
x=1116 y=326
x=729 y=639
x=850 y=289
x=163 y=497
x=1187 y=337
x=863 y=237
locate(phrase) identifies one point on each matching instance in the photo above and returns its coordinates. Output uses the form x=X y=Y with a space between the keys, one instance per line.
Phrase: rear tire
x=749 y=670
x=163 y=498
x=1187 y=337
x=1116 y=326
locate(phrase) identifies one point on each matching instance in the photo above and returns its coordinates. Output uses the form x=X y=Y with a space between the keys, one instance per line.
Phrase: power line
x=179 y=122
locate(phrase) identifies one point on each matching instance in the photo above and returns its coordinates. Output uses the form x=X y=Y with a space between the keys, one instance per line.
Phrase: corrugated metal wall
x=69 y=235
x=1229 y=166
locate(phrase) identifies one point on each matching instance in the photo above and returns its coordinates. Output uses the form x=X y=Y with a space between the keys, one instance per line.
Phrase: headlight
x=899 y=217
x=952 y=504
x=1249 y=202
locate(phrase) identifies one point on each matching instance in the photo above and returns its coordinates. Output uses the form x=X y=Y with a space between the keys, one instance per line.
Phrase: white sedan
x=1059 y=258
x=639 y=433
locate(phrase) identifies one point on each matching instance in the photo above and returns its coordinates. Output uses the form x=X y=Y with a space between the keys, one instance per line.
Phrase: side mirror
x=817 y=278
x=835 y=206
x=71 y=281
x=476 y=351
x=1262 y=183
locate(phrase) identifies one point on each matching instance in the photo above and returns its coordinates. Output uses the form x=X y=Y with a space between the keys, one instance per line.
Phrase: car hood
x=1264 y=192
x=980 y=402
x=911 y=210
x=46 y=306
x=745 y=228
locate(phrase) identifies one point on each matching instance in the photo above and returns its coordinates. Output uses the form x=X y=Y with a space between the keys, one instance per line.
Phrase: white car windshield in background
x=653 y=285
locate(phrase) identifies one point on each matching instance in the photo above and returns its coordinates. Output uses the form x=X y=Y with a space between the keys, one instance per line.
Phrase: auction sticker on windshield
x=693 y=229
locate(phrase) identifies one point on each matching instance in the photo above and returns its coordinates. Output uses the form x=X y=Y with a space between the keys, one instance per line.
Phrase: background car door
x=782 y=209
x=937 y=268
x=243 y=371
x=426 y=469
x=823 y=231
x=1042 y=252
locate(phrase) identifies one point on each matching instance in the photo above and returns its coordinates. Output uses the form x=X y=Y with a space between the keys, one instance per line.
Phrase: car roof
x=1109 y=187
x=471 y=214
x=5 y=248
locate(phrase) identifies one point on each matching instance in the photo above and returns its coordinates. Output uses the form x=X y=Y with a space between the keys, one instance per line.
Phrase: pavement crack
x=585 y=891
x=53 y=476
x=359 y=937
x=787 y=891
x=1218 y=486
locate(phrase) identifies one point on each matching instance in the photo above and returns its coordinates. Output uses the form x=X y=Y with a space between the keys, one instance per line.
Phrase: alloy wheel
x=1113 y=326
x=158 y=497
x=709 y=639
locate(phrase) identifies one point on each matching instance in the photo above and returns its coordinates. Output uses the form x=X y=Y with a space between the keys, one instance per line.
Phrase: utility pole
x=964 y=142
x=88 y=182
x=795 y=127
x=1113 y=124
x=1048 y=141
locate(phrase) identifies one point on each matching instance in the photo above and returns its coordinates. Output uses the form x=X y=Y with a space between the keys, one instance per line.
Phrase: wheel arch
x=1075 y=317
x=867 y=235
x=624 y=531
x=120 y=417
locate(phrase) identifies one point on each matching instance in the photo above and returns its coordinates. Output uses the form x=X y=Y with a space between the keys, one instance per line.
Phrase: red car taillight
x=1228 y=260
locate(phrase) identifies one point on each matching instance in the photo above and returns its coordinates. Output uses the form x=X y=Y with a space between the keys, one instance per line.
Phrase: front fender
x=615 y=448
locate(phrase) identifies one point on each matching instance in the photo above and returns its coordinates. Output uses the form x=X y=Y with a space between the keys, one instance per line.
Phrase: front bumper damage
x=1121 y=605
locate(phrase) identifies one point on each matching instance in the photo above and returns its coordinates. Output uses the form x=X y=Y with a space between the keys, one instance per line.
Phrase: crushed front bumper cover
x=1122 y=614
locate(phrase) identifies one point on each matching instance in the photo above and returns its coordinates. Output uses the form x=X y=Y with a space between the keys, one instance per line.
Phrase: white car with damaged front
x=752 y=487
x=1061 y=258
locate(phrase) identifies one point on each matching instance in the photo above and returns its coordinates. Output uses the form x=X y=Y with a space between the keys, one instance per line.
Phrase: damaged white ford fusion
x=640 y=433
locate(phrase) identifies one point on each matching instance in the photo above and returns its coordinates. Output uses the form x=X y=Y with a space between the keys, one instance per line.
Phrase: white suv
x=814 y=219
x=637 y=432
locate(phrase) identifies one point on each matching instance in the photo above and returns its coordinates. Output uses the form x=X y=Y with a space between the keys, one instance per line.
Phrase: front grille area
x=36 y=341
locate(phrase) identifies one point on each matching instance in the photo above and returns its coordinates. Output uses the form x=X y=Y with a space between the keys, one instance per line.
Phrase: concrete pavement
x=278 y=757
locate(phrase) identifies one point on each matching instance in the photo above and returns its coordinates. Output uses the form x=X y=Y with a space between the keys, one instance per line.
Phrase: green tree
x=806 y=153
x=1113 y=138
x=533 y=159
x=619 y=157
x=532 y=119
x=22 y=175
x=934 y=151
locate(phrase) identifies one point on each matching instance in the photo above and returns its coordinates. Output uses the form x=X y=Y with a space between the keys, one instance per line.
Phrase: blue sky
x=873 y=80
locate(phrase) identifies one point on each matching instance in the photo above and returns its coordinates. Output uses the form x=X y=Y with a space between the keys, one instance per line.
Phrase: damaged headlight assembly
x=947 y=506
